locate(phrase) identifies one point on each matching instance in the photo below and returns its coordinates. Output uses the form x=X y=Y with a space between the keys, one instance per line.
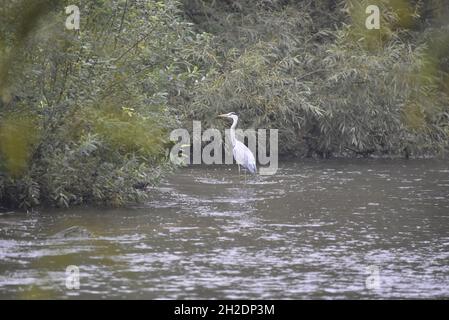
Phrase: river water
x=331 y=229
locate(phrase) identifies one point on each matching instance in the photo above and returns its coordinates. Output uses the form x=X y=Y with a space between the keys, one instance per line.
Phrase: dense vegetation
x=332 y=87
x=85 y=115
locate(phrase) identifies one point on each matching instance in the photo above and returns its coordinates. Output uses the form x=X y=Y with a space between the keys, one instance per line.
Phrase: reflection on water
x=311 y=231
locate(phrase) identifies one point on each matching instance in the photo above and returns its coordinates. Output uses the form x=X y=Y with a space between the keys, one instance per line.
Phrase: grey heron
x=242 y=155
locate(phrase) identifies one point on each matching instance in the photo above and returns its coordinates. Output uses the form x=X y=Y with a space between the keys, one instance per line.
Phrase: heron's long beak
x=224 y=115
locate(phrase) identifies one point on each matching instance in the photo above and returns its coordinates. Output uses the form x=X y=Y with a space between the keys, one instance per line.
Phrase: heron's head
x=230 y=115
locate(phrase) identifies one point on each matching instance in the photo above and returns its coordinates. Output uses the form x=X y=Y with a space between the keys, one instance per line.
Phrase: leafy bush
x=84 y=114
x=312 y=70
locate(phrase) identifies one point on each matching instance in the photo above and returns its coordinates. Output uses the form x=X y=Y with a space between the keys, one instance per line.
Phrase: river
x=346 y=229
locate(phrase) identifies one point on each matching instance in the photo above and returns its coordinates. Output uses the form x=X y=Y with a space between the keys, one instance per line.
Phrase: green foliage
x=85 y=114
x=312 y=70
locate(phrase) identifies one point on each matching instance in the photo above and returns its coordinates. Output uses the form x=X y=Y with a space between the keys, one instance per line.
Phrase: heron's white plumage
x=242 y=155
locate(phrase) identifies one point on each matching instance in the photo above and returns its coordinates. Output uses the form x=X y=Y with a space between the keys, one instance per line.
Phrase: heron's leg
x=239 y=169
x=245 y=176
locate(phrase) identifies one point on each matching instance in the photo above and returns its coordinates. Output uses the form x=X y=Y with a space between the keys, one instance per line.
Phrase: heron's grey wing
x=244 y=157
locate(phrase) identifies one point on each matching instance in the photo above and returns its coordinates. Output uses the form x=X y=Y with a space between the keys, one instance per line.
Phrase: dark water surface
x=333 y=229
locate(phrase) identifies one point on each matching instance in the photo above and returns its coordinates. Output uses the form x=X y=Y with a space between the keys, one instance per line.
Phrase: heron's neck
x=234 y=124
